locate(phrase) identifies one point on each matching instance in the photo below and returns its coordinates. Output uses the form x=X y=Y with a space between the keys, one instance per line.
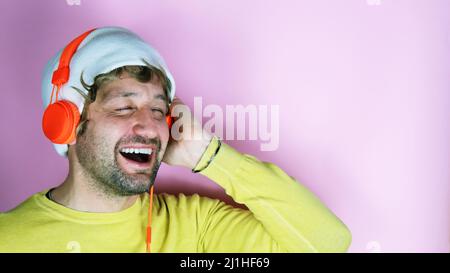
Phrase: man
x=123 y=90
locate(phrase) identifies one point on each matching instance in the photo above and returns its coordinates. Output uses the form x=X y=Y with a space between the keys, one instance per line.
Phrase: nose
x=144 y=123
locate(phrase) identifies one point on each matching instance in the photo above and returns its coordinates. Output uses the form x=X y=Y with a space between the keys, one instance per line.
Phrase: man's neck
x=81 y=196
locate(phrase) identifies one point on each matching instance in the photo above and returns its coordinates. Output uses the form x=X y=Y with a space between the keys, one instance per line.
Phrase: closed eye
x=158 y=110
x=124 y=108
x=158 y=113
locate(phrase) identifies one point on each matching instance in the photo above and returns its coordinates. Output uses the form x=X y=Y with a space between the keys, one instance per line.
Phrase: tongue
x=141 y=158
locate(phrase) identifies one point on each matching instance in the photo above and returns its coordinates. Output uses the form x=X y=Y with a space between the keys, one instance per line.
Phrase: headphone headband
x=61 y=75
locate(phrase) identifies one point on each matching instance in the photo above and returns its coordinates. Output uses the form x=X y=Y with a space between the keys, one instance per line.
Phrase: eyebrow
x=114 y=95
x=125 y=94
x=164 y=99
x=161 y=97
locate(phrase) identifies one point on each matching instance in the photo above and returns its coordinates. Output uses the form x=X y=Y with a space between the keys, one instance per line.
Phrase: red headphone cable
x=149 y=223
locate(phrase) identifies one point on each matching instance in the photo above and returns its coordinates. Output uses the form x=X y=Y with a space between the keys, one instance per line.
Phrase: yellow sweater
x=283 y=216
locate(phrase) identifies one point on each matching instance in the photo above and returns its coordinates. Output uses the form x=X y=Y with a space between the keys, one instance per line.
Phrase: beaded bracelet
x=211 y=159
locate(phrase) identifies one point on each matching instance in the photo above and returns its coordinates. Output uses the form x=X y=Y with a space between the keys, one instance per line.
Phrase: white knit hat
x=102 y=51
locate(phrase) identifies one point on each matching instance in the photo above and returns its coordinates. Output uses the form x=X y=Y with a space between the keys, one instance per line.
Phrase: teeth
x=136 y=151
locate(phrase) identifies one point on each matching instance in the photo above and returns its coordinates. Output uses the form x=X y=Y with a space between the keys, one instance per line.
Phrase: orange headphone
x=61 y=118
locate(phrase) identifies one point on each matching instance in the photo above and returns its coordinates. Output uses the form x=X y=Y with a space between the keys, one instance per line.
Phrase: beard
x=95 y=157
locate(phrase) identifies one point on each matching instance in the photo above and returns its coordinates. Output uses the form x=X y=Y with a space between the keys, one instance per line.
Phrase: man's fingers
x=175 y=101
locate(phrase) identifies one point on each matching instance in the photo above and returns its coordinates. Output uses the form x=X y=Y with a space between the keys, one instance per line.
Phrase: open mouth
x=140 y=155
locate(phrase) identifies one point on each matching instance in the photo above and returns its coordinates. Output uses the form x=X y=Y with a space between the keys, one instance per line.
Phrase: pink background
x=363 y=91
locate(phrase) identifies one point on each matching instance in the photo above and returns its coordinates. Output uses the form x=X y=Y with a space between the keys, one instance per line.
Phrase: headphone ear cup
x=169 y=121
x=60 y=121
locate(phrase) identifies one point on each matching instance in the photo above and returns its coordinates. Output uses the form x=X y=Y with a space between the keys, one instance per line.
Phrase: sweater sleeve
x=283 y=215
